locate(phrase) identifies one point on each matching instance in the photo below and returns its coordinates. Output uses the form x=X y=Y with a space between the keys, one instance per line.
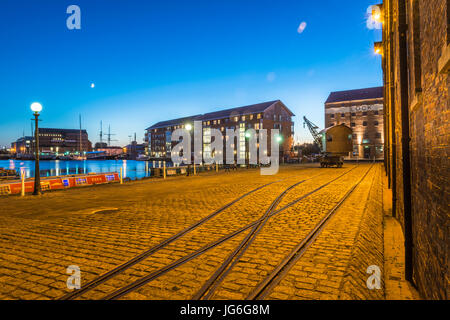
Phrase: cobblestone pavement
x=397 y=288
x=41 y=237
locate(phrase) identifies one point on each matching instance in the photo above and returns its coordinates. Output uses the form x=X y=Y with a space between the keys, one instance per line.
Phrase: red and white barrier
x=58 y=183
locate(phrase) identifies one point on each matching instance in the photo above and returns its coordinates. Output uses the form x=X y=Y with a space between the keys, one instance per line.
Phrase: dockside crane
x=313 y=129
x=335 y=143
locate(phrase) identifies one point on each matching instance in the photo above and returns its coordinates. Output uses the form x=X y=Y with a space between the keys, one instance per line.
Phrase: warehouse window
x=332 y=116
x=376 y=123
x=353 y=124
x=342 y=114
x=365 y=123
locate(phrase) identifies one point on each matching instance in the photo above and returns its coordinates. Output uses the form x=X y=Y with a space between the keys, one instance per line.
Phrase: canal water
x=131 y=169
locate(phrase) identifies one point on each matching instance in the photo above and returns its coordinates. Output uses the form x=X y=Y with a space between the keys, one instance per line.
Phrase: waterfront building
x=134 y=150
x=362 y=110
x=267 y=115
x=55 y=141
x=159 y=136
x=23 y=145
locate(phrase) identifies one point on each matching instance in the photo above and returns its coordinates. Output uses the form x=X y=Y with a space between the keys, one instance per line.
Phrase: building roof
x=25 y=138
x=360 y=94
x=54 y=130
x=174 y=122
x=240 y=111
x=333 y=127
x=233 y=112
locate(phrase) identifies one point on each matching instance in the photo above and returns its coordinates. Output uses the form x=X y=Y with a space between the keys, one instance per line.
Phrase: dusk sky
x=158 y=60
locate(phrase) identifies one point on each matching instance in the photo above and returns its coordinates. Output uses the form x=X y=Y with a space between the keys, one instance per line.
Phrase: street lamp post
x=36 y=108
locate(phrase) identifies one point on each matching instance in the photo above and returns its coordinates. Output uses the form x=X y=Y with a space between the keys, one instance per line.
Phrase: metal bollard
x=195 y=170
x=164 y=168
x=22 y=171
x=121 y=175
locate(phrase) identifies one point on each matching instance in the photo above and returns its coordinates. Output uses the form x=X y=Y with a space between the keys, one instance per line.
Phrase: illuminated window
x=259 y=116
x=242 y=140
x=251 y=117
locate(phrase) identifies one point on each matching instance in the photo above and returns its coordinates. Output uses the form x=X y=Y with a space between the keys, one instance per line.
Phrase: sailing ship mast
x=101 y=132
x=81 y=138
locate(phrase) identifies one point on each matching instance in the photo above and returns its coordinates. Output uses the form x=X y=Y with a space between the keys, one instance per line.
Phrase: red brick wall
x=428 y=101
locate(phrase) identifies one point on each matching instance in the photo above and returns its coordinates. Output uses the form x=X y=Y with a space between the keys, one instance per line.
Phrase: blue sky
x=157 y=60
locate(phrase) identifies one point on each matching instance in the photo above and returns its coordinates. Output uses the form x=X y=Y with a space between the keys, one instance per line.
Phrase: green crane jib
x=313 y=129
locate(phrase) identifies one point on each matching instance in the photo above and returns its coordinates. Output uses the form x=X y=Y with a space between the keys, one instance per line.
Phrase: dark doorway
x=366 y=152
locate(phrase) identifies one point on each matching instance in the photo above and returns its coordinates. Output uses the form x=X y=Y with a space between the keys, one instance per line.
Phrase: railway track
x=141 y=257
x=210 y=285
x=220 y=273
x=114 y=272
x=266 y=286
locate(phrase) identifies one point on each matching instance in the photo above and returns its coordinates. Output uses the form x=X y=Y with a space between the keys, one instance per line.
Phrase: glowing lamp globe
x=188 y=127
x=36 y=107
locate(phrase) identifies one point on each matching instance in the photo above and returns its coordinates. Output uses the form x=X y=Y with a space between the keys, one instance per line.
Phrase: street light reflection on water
x=131 y=169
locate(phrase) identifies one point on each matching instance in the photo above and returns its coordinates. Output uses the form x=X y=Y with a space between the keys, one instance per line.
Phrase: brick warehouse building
x=268 y=115
x=416 y=62
x=362 y=111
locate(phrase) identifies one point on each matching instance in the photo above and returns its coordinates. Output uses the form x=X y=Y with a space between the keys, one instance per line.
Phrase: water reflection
x=131 y=169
